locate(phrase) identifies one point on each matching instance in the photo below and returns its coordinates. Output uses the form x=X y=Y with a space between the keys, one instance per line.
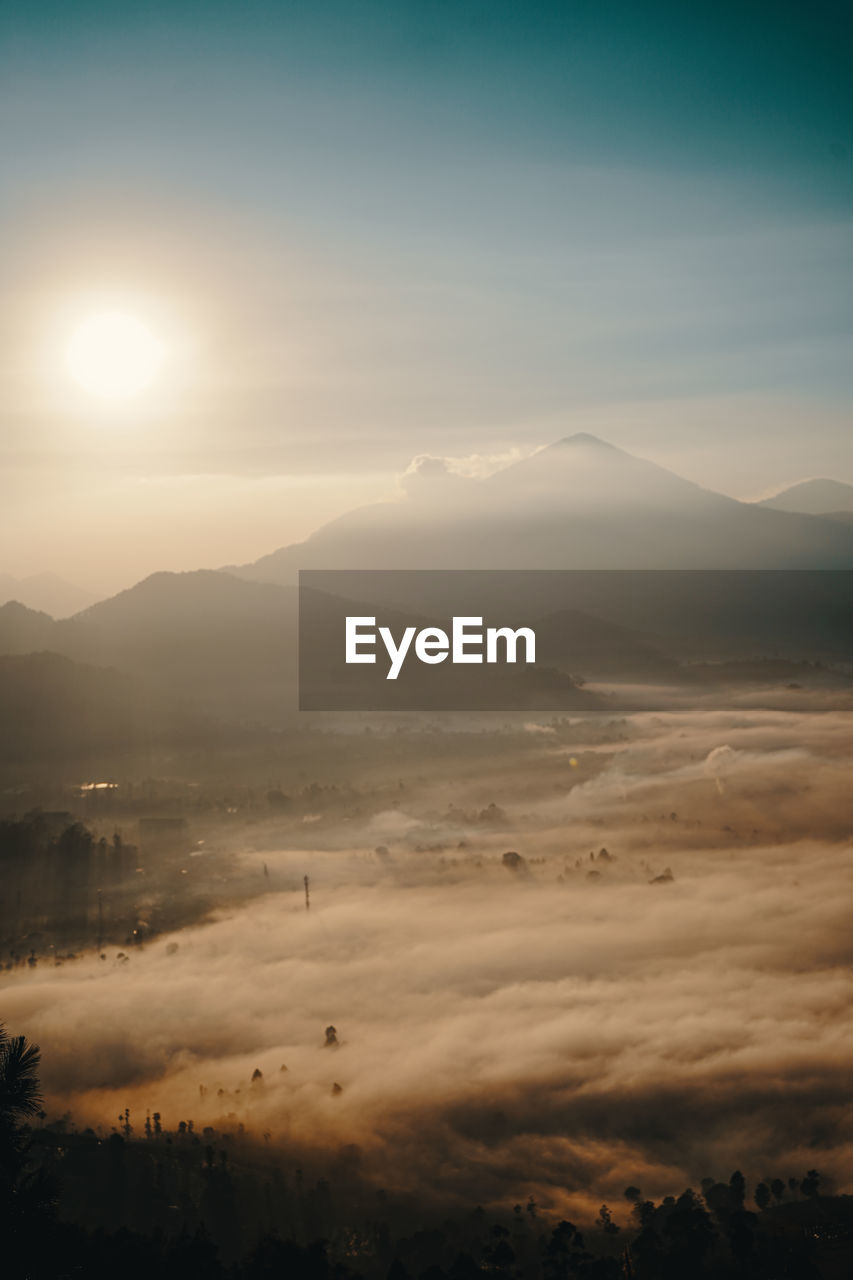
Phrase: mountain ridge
x=819 y=496
x=579 y=502
x=47 y=592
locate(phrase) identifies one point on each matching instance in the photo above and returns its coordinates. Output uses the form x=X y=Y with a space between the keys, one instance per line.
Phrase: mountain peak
x=14 y=609
x=46 y=593
x=583 y=439
x=819 y=496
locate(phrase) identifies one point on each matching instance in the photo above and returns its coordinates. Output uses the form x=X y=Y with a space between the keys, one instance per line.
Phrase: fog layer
x=559 y=1024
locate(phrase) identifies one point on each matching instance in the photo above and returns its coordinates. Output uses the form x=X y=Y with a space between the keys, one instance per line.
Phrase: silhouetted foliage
x=169 y=1204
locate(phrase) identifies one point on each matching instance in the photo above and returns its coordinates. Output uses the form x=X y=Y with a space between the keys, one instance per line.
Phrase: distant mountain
x=226 y=643
x=580 y=503
x=231 y=646
x=66 y=710
x=814 y=497
x=22 y=630
x=46 y=592
x=227 y=640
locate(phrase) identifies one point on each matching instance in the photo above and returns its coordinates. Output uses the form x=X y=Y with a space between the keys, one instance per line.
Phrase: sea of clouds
x=563 y=1028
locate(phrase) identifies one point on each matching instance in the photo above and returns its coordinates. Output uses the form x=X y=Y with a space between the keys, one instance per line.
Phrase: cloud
x=427 y=470
x=563 y=1035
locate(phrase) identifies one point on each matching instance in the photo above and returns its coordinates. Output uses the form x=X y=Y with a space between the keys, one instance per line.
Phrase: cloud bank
x=561 y=1033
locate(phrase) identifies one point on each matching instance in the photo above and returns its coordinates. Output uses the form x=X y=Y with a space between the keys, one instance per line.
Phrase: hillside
x=227 y=644
x=64 y=710
x=23 y=630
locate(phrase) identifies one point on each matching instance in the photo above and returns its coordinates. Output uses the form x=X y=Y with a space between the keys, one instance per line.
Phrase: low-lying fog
x=552 y=1025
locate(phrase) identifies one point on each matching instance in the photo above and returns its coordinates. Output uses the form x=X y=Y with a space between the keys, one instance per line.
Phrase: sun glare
x=113 y=355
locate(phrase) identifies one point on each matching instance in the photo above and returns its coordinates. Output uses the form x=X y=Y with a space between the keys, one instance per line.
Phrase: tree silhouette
x=126 y=1192
x=20 y=1094
x=26 y=1198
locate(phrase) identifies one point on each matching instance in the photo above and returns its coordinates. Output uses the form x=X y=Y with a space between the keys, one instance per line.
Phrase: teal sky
x=380 y=230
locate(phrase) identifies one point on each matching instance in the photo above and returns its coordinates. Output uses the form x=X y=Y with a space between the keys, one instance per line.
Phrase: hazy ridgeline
x=655 y=990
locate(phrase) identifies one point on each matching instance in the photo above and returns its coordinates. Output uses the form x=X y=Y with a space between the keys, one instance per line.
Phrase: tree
x=20 y=1094
x=564 y=1252
x=26 y=1198
x=689 y=1233
x=605 y=1221
x=737 y=1189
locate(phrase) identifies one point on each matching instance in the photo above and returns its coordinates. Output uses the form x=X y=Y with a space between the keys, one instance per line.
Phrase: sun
x=113 y=355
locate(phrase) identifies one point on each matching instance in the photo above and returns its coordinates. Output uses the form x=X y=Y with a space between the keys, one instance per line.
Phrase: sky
x=364 y=232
